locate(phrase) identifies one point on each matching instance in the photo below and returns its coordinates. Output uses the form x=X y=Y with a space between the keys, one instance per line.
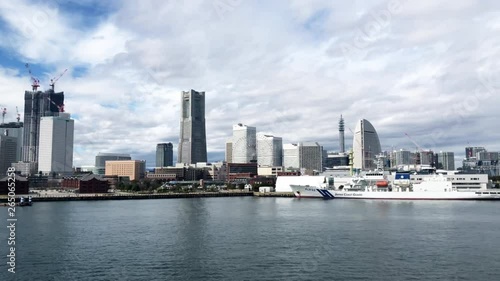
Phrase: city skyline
x=433 y=83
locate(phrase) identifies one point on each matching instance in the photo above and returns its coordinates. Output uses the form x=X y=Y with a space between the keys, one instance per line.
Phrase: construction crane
x=4 y=112
x=35 y=82
x=18 y=115
x=60 y=107
x=54 y=80
x=421 y=151
x=416 y=144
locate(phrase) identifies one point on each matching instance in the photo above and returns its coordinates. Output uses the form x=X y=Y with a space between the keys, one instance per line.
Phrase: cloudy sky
x=426 y=68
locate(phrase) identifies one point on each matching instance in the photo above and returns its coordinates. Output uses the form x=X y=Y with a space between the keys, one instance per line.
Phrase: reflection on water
x=257 y=239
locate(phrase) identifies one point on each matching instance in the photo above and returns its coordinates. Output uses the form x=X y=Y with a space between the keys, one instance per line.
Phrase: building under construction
x=38 y=104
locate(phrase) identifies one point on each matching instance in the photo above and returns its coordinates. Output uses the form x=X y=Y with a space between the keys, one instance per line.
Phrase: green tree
x=121 y=186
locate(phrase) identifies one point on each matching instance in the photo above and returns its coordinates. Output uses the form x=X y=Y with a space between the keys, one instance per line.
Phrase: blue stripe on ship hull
x=321 y=192
x=325 y=193
x=329 y=194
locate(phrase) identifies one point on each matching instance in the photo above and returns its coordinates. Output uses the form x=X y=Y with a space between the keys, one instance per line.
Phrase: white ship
x=433 y=188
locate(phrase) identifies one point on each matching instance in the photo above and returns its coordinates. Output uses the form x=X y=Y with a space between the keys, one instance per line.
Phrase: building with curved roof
x=366 y=145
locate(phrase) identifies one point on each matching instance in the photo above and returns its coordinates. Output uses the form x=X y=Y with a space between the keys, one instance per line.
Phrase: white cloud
x=279 y=66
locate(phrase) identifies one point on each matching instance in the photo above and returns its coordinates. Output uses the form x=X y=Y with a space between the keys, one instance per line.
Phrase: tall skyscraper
x=366 y=145
x=244 y=144
x=426 y=157
x=401 y=158
x=311 y=156
x=446 y=160
x=101 y=158
x=37 y=104
x=7 y=153
x=164 y=155
x=193 y=138
x=56 y=144
x=341 y=134
x=14 y=129
x=269 y=150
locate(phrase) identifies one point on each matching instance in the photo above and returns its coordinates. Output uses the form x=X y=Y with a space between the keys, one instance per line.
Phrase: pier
x=122 y=196
x=135 y=196
x=273 y=194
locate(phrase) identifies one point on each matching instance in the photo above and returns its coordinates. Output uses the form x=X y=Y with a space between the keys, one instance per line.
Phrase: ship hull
x=455 y=195
x=312 y=192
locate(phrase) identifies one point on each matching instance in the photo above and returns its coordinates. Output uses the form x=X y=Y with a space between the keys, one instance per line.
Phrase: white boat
x=306 y=191
x=434 y=188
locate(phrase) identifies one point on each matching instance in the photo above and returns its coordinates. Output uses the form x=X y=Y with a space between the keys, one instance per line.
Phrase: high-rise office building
x=56 y=144
x=401 y=158
x=304 y=155
x=366 y=145
x=291 y=156
x=426 y=157
x=487 y=156
x=193 y=139
x=244 y=144
x=446 y=160
x=14 y=129
x=229 y=151
x=311 y=156
x=164 y=155
x=7 y=153
x=472 y=151
x=101 y=158
x=269 y=150
x=37 y=104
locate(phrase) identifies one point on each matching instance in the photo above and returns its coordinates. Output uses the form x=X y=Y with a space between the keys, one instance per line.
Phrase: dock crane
x=35 y=82
x=54 y=80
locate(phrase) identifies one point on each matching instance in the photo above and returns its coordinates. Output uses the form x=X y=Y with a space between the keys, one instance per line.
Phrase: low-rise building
x=269 y=171
x=21 y=185
x=133 y=169
x=89 y=183
x=241 y=171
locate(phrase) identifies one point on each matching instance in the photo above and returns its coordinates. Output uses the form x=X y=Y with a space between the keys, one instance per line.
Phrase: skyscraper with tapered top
x=366 y=145
x=193 y=138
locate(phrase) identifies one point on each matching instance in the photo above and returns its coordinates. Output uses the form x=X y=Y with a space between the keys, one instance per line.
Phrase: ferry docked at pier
x=22 y=202
x=437 y=187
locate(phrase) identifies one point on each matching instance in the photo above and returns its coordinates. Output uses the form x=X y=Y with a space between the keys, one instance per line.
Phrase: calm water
x=255 y=239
